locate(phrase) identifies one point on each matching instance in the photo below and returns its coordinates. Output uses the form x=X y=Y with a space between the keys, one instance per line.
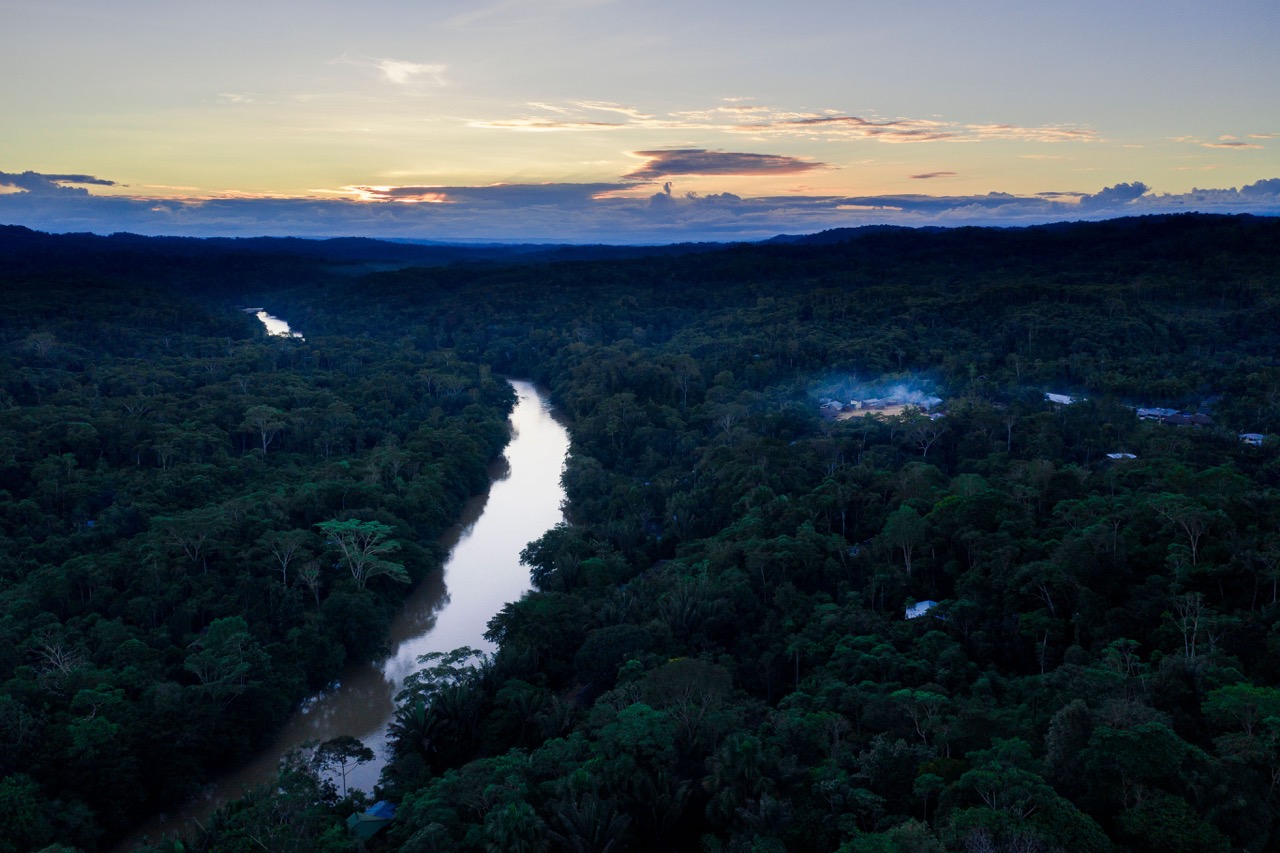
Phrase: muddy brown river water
x=448 y=610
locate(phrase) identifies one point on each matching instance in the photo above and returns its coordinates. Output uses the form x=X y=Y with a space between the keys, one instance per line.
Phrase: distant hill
x=18 y=243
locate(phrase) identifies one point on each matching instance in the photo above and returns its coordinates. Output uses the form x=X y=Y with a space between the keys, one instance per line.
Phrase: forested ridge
x=167 y=594
x=715 y=656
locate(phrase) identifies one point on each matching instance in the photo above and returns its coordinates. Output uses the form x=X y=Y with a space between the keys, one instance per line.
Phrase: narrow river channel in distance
x=446 y=611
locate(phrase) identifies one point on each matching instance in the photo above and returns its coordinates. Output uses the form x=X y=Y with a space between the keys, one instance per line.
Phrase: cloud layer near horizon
x=585 y=212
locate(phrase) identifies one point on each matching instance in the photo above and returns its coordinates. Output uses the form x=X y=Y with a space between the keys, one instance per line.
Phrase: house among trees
x=830 y=409
x=920 y=608
x=895 y=403
x=1252 y=438
x=366 y=825
x=1174 y=417
x=1185 y=419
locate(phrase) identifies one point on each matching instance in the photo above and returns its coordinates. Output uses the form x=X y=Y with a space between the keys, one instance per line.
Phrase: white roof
x=920 y=608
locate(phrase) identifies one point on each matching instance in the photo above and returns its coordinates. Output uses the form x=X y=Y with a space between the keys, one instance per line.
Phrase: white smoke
x=913 y=391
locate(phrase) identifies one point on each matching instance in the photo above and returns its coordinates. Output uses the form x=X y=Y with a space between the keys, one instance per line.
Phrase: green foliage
x=1163 y=822
x=344 y=753
x=227 y=660
x=22 y=815
x=714 y=656
x=1088 y=609
x=363 y=546
x=161 y=464
x=293 y=814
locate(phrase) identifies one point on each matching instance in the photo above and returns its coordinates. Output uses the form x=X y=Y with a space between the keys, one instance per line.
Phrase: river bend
x=447 y=610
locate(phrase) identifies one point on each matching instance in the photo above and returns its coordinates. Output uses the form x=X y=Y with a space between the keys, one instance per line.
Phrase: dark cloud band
x=36 y=182
x=666 y=163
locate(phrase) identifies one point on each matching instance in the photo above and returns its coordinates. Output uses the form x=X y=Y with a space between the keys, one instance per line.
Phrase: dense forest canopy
x=716 y=654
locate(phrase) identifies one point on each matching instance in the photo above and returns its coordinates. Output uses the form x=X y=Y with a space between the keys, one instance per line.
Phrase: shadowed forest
x=201 y=524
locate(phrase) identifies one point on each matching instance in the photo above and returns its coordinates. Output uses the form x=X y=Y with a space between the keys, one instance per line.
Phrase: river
x=447 y=610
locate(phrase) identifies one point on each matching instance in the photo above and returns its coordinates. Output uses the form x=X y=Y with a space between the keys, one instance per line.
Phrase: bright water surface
x=276 y=327
x=447 y=610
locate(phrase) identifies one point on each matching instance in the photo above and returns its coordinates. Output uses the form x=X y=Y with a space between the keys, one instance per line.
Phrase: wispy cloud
x=400 y=72
x=852 y=127
x=1226 y=141
x=609 y=107
x=240 y=98
x=1043 y=133
x=493 y=195
x=762 y=121
x=926 y=176
x=511 y=13
x=665 y=163
x=913 y=130
x=546 y=124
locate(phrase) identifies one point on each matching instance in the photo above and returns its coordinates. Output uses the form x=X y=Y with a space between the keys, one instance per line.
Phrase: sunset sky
x=629 y=120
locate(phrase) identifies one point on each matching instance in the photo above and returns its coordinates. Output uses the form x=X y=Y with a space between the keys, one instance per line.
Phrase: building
x=920 y=608
x=366 y=825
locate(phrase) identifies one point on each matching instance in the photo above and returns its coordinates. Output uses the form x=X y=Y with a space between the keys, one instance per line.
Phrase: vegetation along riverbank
x=716 y=654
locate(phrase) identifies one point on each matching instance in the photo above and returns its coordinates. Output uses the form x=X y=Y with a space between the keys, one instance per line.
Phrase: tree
x=193 y=532
x=363 y=545
x=924 y=433
x=344 y=752
x=227 y=659
x=23 y=814
x=1190 y=617
x=293 y=814
x=266 y=421
x=922 y=707
x=309 y=576
x=286 y=546
x=903 y=531
x=1249 y=718
x=1189 y=517
x=686 y=372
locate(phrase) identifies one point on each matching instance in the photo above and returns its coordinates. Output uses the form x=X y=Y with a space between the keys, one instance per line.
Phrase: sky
x=630 y=121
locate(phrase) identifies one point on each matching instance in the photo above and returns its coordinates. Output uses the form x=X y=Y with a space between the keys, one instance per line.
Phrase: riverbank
x=446 y=611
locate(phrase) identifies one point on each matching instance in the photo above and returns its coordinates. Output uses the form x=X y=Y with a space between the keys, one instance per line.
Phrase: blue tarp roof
x=367 y=824
x=383 y=809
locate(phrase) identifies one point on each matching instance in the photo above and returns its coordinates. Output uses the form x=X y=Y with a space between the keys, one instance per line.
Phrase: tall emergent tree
x=341 y=754
x=266 y=421
x=363 y=545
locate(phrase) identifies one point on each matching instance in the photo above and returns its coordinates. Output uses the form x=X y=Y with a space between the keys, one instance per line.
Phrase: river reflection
x=276 y=327
x=447 y=610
